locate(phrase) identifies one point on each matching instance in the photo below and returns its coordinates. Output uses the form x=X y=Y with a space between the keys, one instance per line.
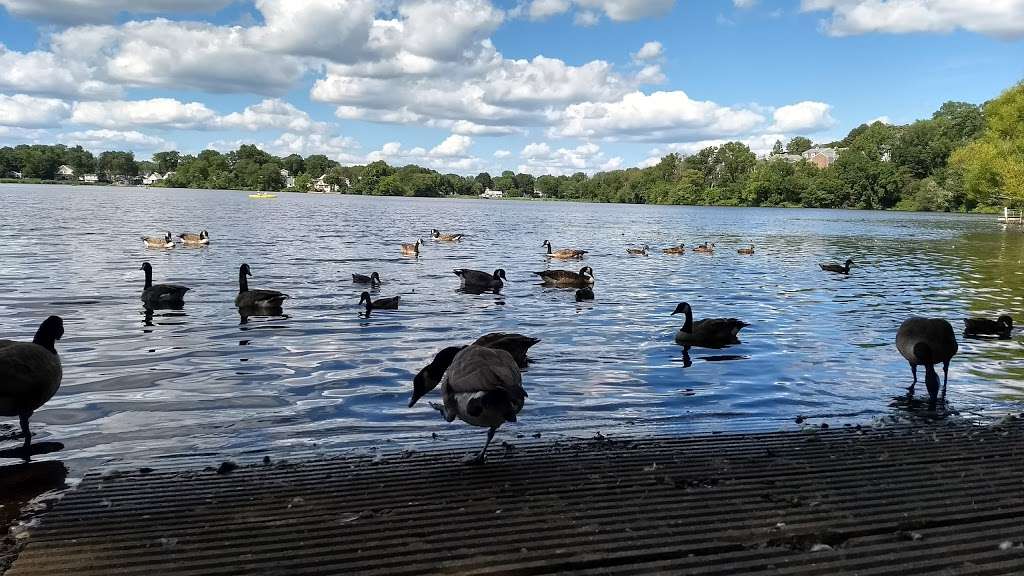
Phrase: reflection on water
x=208 y=379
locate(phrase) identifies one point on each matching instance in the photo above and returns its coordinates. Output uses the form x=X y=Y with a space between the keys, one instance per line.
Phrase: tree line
x=965 y=157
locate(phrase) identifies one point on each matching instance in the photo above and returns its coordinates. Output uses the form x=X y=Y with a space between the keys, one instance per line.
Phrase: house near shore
x=492 y=194
x=289 y=180
x=821 y=157
x=65 y=172
x=89 y=178
x=17 y=175
x=321 y=186
x=155 y=178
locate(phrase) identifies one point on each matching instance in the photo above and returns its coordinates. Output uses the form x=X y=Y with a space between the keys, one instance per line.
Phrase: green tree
x=270 y=177
x=317 y=165
x=484 y=179
x=167 y=161
x=117 y=164
x=777 y=149
x=993 y=165
x=294 y=164
x=799 y=145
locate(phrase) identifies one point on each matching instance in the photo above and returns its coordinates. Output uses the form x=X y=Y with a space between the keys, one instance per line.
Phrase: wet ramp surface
x=920 y=500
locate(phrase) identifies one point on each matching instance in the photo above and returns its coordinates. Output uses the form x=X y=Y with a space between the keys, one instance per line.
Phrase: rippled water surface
x=326 y=378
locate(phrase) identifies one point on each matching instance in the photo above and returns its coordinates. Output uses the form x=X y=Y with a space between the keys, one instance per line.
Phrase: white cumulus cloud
x=155 y=112
x=807 y=116
x=31 y=112
x=105 y=139
x=79 y=11
x=649 y=51
x=1002 y=18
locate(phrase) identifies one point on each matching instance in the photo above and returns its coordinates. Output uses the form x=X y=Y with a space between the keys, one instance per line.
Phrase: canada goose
x=373 y=279
x=201 y=239
x=160 y=295
x=476 y=279
x=705 y=248
x=1001 y=327
x=584 y=294
x=709 y=332
x=479 y=385
x=158 y=241
x=255 y=298
x=379 y=304
x=746 y=251
x=638 y=251
x=837 y=268
x=515 y=344
x=436 y=235
x=567 y=279
x=927 y=341
x=412 y=249
x=564 y=253
x=681 y=249
x=30 y=374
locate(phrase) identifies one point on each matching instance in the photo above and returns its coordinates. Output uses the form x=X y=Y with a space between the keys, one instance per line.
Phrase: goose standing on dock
x=189 y=239
x=746 y=251
x=30 y=374
x=380 y=303
x=927 y=341
x=1001 y=327
x=564 y=253
x=158 y=241
x=709 y=332
x=567 y=279
x=161 y=295
x=642 y=251
x=516 y=345
x=479 y=385
x=412 y=249
x=675 y=250
x=436 y=235
x=479 y=280
x=373 y=279
x=256 y=299
x=837 y=268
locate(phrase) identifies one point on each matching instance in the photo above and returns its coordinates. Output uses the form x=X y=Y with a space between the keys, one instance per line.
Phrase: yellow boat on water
x=262 y=195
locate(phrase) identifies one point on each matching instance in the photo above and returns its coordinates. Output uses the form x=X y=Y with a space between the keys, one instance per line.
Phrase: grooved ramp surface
x=904 y=501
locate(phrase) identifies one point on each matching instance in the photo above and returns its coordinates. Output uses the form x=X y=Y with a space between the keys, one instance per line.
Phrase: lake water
x=198 y=382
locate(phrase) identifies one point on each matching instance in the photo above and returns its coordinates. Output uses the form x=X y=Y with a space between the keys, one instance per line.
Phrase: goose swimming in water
x=837 y=268
x=746 y=251
x=479 y=280
x=30 y=374
x=380 y=303
x=373 y=279
x=479 y=385
x=709 y=332
x=584 y=294
x=642 y=251
x=681 y=249
x=161 y=295
x=189 y=239
x=436 y=235
x=1001 y=327
x=564 y=253
x=249 y=299
x=705 y=248
x=412 y=249
x=567 y=279
x=158 y=241
x=927 y=341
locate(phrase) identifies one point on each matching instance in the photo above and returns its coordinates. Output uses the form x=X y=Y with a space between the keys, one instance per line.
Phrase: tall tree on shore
x=799 y=145
x=993 y=165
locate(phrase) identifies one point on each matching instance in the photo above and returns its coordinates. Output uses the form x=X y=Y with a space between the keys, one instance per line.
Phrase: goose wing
x=935 y=332
x=476 y=277
x=260 y=298
x=387 y=303
x=559 y=275
x=482 y=369
x=719 y=328
x=29 y=376
x=515 y=344
x=983 y=326
x=164 y=293
x=361 y=278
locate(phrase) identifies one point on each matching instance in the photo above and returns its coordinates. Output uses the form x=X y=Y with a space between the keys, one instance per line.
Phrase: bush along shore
x=965 y=158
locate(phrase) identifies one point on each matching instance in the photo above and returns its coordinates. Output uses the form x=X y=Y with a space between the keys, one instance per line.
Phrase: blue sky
x=546 y=86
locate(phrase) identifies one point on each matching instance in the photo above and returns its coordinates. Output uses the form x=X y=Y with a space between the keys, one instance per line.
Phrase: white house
x=153 y=178
x=289 y=180
x=65 y=172
x=320 y=186
x=492 y=194
x=90 y=178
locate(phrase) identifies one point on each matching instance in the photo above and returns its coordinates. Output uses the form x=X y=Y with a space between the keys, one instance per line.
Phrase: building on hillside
x=791 y=158
x=320 y=186
x=65 y=172
x=289 y=180
x=492 y=194
x=821 y=157
x=90 y=178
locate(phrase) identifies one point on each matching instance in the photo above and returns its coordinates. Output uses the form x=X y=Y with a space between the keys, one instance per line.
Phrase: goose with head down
x=436 y=235
x=161 y=295
x=30 y=374
x=567 y=278
x=189 y=239
x=564 y=253
x=481 y=386
x=1001 y=327
x=412 y=249
x=517 y=345
x=373 y=279
x=479 y=280
x=380 y=303
x=709 y=332
x=256 y=299
x=927 y=341
x=158 y=241
x=837 y=268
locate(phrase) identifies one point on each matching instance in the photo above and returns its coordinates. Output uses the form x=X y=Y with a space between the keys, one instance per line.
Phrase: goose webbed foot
x=479 y=459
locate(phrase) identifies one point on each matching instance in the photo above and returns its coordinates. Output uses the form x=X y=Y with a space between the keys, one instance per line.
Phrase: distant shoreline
x=982 y=210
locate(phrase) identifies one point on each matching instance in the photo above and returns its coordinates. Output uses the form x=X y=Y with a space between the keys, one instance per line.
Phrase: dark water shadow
x=273 y=313
x=34 y=450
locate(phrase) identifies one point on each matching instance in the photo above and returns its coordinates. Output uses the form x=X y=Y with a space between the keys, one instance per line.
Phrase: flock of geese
x=481 y=382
